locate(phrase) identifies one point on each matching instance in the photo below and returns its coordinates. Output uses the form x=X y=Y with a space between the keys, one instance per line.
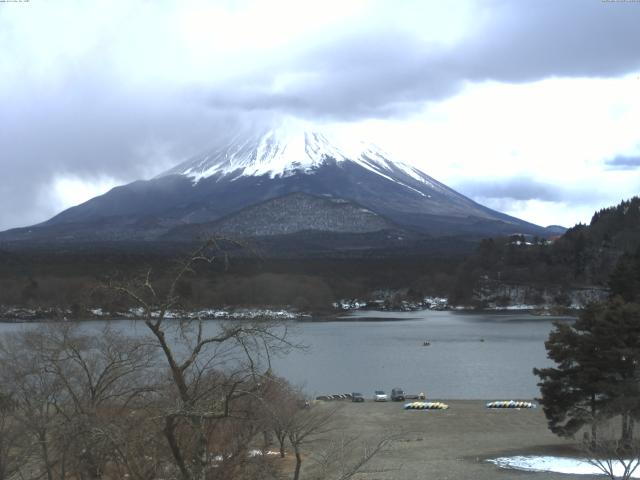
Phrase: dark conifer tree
x=597 y=373
x=617 y=328
x=571 y=393
x=625 y=278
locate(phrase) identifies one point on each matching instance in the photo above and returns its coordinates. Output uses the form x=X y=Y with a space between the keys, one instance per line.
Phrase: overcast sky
x=529 y=107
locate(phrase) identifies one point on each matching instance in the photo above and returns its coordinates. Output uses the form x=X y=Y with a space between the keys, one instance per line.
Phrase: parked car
x=357 y=397
x=380 y=396
x=397 y=395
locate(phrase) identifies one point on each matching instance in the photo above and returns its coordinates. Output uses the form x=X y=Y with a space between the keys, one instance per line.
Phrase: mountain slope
x=254 y=169
x=288 y=214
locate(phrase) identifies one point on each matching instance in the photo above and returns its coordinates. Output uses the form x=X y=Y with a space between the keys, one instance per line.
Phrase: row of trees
x=585 y=255
x=173 y=399
x=69 y=281
x=99 y=404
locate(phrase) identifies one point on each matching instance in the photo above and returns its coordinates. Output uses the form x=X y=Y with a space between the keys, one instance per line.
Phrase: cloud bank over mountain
x=99 y=94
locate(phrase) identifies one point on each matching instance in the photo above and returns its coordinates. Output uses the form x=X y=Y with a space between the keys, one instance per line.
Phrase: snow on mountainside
x=289 y=150
x=284 y=181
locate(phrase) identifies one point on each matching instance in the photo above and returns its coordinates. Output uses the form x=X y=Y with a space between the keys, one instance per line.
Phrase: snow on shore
x=19 y=314
x=576 y=466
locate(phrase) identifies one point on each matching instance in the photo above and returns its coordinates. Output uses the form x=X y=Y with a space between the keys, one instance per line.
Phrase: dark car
x=397 y=395
x=357 y=397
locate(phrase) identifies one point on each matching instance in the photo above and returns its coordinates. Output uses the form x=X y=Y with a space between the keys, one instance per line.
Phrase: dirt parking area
x=449 y=444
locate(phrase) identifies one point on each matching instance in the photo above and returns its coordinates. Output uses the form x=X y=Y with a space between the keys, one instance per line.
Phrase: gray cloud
x=530 y=40
x=622 y=162
x=513 y=194
x=91 y=134
x=377 y=73
x=522 y=189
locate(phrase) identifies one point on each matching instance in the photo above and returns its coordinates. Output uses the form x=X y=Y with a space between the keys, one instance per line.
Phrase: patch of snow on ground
x=520 y=306
x=257 y=453
x=576 y=466
x=514 y=307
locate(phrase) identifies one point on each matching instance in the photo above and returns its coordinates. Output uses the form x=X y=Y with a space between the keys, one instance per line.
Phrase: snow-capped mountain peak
x=285 y=151
x=289 y=180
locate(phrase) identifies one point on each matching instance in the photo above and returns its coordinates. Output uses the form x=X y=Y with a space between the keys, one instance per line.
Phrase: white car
x=380 y=396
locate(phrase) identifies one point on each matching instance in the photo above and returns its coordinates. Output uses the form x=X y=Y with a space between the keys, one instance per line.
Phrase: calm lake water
x=471 y=356
x=365 y=354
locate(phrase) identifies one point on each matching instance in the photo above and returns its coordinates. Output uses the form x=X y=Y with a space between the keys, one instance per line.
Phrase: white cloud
x=544 y=213
x=558 y=131
x=68 y=190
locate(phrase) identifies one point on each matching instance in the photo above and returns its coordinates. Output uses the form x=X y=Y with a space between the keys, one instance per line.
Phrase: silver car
x=380 y=396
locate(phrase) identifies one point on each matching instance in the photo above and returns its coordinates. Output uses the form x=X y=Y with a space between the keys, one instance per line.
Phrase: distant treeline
x=75 y=282
x=585 y=255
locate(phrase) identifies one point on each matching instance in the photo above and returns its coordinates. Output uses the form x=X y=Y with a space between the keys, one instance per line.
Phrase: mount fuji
x=286 y=183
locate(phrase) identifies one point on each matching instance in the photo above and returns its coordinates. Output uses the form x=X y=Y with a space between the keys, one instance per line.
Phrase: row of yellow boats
x=425 y=406
x=444 y=406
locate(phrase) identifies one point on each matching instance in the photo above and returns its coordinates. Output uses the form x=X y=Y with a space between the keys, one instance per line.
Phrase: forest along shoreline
x=339 y=312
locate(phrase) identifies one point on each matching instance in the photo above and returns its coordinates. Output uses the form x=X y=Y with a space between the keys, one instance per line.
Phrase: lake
x=470 y=356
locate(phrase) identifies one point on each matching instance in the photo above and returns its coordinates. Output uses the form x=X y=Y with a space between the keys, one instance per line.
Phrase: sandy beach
x=449 y=444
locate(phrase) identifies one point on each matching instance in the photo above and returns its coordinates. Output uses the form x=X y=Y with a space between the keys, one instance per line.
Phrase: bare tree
x=281 y=403
x=306 y=425
x=12 y=441
x=100 y=375
x=68 y=386
x=292 y=419
x=86 y=405
x=35 y=398
x=195 y=358
x=345 y=457
x=615 y=457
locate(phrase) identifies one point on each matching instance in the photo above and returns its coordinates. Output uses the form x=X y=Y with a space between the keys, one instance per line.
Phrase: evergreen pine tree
x=597 y=373
x=625 y=278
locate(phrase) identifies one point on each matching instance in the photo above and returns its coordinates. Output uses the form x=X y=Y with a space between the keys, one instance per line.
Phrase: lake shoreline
x=13 y=314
